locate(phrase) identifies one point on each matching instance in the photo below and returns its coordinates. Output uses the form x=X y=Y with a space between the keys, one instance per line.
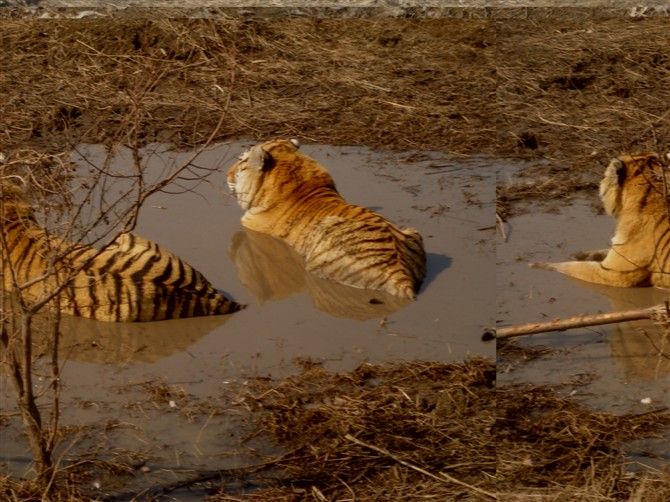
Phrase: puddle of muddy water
x=621 y=363
x=290 y=313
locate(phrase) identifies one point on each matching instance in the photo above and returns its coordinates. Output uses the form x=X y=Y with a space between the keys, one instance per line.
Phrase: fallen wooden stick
x=579 y=321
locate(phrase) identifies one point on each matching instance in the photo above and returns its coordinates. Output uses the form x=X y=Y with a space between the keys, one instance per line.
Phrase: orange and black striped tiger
x=290 y=196
x=633 y=191
x=132 y=279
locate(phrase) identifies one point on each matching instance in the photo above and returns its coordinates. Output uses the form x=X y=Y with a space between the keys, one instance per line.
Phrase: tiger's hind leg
x=597 y=272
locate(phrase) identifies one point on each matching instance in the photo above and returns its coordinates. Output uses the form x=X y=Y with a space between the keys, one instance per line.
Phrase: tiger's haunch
x=290 y=196
x=132 y=279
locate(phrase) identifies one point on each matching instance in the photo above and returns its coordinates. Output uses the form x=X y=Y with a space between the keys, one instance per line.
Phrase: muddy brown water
x=621 y=364
x=290 y=313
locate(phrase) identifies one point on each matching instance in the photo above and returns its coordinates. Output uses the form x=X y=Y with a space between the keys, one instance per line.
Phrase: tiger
x=131 y=279
x=633 y=191
x=289 y=195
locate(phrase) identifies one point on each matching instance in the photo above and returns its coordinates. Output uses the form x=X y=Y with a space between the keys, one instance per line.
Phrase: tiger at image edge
x=131 y=279
x=633 y=191
x=292 y=197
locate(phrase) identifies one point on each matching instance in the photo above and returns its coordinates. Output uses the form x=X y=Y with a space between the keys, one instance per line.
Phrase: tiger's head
x=272 y=171
x=633 y=183
x=14 y=197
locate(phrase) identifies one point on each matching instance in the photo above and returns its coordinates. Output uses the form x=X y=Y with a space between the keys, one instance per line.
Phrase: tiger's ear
x=15 y=184
x=258 y=158
x=619 y=168
x=653 y=160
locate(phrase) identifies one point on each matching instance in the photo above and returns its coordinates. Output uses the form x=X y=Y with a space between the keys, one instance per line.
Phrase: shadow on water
x=272 y=270
x=435 y=264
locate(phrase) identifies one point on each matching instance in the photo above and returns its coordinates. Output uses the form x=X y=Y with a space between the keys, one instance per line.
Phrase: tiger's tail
x=219 y=304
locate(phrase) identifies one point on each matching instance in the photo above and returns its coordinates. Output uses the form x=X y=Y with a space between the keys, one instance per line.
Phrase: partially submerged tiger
x=292 y=197
x=633 y=190
x=132 y=279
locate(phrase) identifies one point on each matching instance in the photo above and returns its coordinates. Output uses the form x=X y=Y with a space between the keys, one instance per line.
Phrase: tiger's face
x=245 y=176
x=273 y=170
x=632 y=182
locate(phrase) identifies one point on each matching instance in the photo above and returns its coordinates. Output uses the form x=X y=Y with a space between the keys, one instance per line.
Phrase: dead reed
x=405 y=431
x=409 y=431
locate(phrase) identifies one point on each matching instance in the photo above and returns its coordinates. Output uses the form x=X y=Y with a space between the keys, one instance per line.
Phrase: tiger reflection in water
x=272 y=270
x=640 y=348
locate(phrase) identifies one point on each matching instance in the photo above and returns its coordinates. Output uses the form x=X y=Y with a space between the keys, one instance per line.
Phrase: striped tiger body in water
x=291 y=196
x=132 y=279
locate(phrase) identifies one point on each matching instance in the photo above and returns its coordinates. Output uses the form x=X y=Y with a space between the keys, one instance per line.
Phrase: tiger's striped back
x=290 y=196
x=132 y=279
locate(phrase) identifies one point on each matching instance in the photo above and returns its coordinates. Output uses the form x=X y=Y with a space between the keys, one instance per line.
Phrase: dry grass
x=576 y=93
x=410 y=431
x=383 y=82
x=71 y=484
x=404 y=431
x=549 y=445
x=566 y=90
x=572 y=89
x=28 y=491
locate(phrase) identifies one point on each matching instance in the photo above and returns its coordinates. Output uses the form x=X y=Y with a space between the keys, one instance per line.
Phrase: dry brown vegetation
x=380 y=82
x=410 y=431
x=564 y=91
x=392 y=432
x=574 y=89
x=576 y=93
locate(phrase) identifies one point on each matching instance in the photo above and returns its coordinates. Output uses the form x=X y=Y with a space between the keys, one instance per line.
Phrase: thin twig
x=562 y=124
x=445 y=477
x=500 y=223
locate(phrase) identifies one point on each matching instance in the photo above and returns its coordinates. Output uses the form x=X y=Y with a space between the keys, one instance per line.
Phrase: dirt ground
x=360 y=81
x=563 y=91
